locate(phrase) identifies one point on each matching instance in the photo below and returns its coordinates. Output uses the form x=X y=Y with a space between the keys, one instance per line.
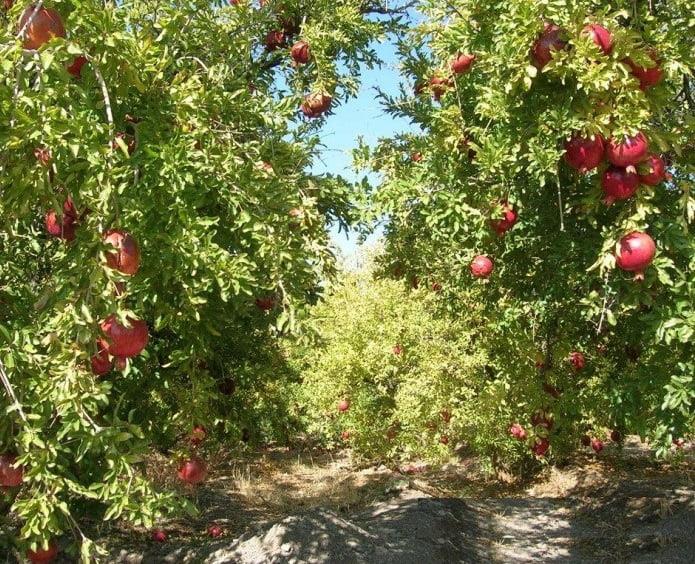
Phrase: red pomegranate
x=597 y=445
x=548 y=42
x=416 y=157
x=635 y=253
x=584 y=154
x=629 y=151
x=101 y=364
x=265 y=303
x=125 y=341
x=462 y=63
x=75 y=69
x=274 y=39
x=42 y=555
x=652 y=171
x=438 y=86
x=647 y=77
x=45 y=25
x=10 y=475
x=215 y=531
x=619 y=184
x=444 y=439
x=586 y=440
x=601 y=36
x=506 y=220
x=193 y=471
x=301 y=52
x=198 y=435
x=43 y=156
x=397 y=350
x=126 y=256
x=616 y=436
x=517 y=431
x=159 y=536
x=577 y=360
x=64 y=227
x=316 y=104
x=481 y=267
x=541 y=446
x=345 y=436
x=343 y=405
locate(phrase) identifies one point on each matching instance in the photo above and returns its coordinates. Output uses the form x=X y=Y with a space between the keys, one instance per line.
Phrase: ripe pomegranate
x=43 y=156
x=125 y=341
x=301 y=52
x=541 y=446
x=619 y=184
x=397 y=350
x=586 y=440
x=64 y=227
x=126 y=257
x=438 y=86
x=193 y=471
x=647 y=77
x=628 y=151
x=543 y=419
x=159 y=536
x=345 y=436
x=45 y=25
x=462 y=63
x=616 y=436
x=504 y=221
x=481 y=267
x=215 y=531
x=635 y=253
x=10 y=475
x=316 y=104
x=577 y=360
x=584 y=154
x=416 y=157
x=548 y=42
x=101 y=364
x=444 y=439
x=265 y=303
x=42 y=555
x=601 y=36
x=654 y=170
x=198 y=435
x=274 y=39
x=75 y=69
x=597 y=445
x=343 y=405
x=517 y=431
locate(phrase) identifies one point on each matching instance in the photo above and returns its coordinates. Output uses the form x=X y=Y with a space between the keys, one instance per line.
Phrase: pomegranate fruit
x=193 y=471
x=42 y=555
x=462 y=63
x=540 y=447
x=597 y=445
x=444 y=439
x=504 y=221
x=316 y=104
x=584 y=154
x=75 y=69
x=101 y=364
x=635 y=253
x=11 y=476
x=215 y=531
x=601 y=37
x=517 y=431
x=64 y=227
x=577 y=360
x=265 y=303
x=548 y=41
x=438 y=86
x=397 y=350
x=125 y=341
x=45 y=25
x=198 y=435
x=345 y=435
x=416 y=157
x=343 y=405
x=126 y=257
x=647 y=77
x=481 y=267
x=159 y=536
x=274 y=39
x=629 y=151
x=652 y=171
x=619 y=184
x=301 y=52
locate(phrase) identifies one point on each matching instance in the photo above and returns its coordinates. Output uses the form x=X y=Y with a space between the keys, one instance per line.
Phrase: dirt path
x=622 y=508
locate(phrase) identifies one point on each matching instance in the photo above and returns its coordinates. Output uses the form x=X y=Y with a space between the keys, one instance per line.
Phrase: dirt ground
x=283 y=506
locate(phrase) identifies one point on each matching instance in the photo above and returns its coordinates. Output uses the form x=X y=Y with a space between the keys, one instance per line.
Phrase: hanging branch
x=10 y=392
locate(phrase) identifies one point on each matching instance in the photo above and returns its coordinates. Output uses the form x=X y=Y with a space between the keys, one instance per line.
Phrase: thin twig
x=10 y=392
x=559 y=201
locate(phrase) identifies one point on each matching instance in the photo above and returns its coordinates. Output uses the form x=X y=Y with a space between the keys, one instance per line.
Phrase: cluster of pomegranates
x=540 y=443
x=440 y=82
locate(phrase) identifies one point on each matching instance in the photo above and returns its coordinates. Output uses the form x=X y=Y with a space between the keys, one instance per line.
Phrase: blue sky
x=363 y=116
